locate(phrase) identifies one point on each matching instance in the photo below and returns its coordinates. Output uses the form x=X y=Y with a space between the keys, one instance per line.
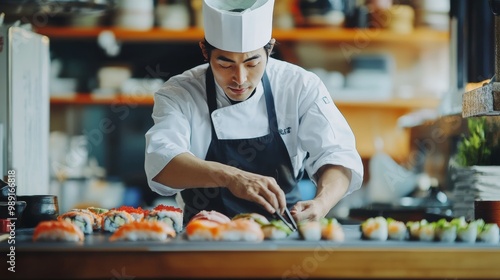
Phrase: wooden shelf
x=146 y=99
x=419 y=36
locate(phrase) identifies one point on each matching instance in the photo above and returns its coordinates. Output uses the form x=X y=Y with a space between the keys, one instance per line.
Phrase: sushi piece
x=113 y=219
x=275 y=230
x=374 y=229
x=332 y=230
x=310 y=230
x=445 y=231
x=211 y=216
x=57 y=231
x=396 y=229
x=414 y=228
x=427 y=232
x=203 y=230
x=97 y=218
x=468 y=233
x=143 y=230
x=83 y=220
x=241 y=230
x=167 y=214
x=137 y=213
x=260 y=219
x=490 y=233
x=97 y=210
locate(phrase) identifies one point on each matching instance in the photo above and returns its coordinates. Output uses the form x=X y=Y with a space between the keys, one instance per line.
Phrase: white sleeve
x=167 y=138
x=326 y=136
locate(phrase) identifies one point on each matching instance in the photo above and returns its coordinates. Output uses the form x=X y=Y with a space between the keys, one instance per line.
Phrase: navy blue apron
x=266 y=155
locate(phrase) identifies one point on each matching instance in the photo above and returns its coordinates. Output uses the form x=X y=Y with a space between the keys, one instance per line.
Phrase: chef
x=235 y=135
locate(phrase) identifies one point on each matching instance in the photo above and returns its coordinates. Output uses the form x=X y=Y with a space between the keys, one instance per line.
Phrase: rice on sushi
x=490 y=233
x=203 y=230
x=57 y=231
x=468 y=233
x=375 y=229
x=241 y=230
x=396 y=229
x=414 y=228
x=113 y=219
x=427 y=232
x=144 y=231
x=331 y=230
x=310 y=230
x=167 y=214
x=275 y=230
x=445 y=231
x=83 y=220
x=258 y=218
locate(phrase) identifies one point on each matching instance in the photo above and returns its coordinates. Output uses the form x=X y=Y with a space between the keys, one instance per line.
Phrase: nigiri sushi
x=414 y=228
x=468 y=233
x=275 y=230
x=143 y=230
x=57 y=231
x=445 y=231
x=375 y=229
x=200 y=229
x=167 y=214
x=490 y=233
x=310 y=230
x=331 y=230
x=396 y=229
x=427 y=232
x=83 y=220
x=211 y=216
x=260 y=219
x=241 y=230
x=113 y=219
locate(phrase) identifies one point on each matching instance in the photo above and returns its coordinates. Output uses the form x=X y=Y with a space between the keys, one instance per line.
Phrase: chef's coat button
x=216 y=115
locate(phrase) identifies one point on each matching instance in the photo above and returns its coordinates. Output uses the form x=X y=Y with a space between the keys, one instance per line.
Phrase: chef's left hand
x=309 y=210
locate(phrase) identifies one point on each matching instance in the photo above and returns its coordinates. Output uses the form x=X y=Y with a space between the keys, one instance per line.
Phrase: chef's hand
x=309 y=210
x=260 y=189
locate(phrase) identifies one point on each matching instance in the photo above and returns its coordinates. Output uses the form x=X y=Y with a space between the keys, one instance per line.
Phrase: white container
x=135 y=5
x=133 y=14
x=172 y=16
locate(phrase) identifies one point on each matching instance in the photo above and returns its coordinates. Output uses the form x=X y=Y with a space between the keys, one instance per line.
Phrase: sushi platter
x=248 y=246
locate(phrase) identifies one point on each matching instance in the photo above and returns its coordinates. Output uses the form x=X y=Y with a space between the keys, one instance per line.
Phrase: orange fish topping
x=167 y=208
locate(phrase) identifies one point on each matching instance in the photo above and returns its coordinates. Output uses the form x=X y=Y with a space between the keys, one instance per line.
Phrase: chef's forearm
x=187 y=171
x=332 y=184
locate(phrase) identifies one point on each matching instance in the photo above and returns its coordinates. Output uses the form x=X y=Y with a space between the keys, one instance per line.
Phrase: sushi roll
x=137 y=213
x=310 y=230
x=414 y=228
x=260 y=219
x=143 y=230
x=445 y=231
x=427 y=232
x=490 y=233
x=468 y=233
x=83 y=220
x=241 y=230
x=167 y=214
x=113 y=219
x=275 y=230
x=374 y=229
x=203 y=230
x=97 y=210
x=396 y=229
x=211 y=216
x=57 y=231
x=332 y=230
x=97 y=218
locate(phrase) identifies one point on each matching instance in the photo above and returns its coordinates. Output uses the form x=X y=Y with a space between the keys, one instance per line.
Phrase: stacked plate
x=475 y=183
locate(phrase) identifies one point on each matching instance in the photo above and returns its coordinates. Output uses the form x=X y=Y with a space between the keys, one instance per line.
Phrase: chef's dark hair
x=268 y=47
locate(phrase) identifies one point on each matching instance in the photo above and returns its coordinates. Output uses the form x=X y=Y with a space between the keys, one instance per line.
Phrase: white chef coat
x=308 y=121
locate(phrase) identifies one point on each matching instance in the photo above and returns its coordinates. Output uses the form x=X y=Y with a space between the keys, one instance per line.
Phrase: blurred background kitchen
x=396 y=70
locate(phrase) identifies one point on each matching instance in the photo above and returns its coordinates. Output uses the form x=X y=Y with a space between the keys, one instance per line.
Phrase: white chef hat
x=238 y=25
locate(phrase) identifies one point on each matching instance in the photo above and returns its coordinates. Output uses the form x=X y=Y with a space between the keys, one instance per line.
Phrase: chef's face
x=238 y=73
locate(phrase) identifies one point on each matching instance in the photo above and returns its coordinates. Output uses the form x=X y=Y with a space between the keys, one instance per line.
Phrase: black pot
x=39 y=208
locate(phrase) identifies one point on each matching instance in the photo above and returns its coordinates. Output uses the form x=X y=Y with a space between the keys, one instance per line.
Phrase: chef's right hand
x=260 y=189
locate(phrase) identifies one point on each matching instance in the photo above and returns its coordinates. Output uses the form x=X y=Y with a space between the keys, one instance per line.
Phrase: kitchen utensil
x=288 y=219
x=39 y=208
